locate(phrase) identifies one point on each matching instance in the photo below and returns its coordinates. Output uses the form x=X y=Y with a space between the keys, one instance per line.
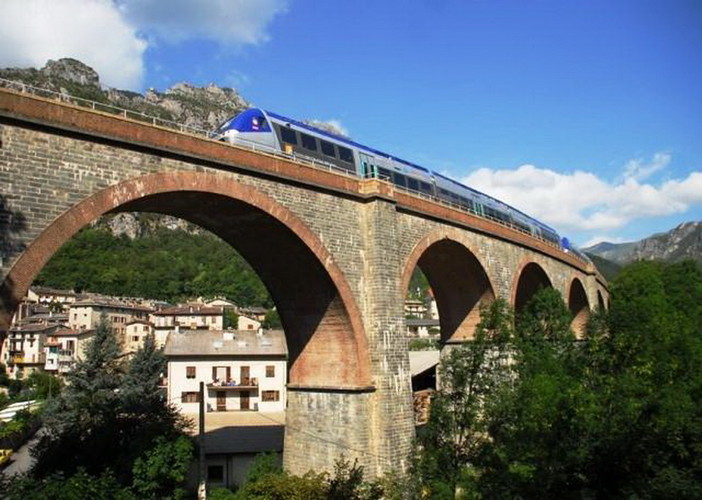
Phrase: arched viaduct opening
x=459 y=284
x=600 y=301
x=325 y=338
x=579 y=308
x=531 y=279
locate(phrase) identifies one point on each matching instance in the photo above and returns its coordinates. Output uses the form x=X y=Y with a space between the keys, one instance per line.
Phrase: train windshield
x=251 y=120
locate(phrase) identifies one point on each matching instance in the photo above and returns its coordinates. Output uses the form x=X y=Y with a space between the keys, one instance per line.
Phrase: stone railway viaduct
x=336 y=253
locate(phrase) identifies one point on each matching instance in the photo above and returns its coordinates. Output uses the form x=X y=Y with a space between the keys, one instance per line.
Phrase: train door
x=366 y=165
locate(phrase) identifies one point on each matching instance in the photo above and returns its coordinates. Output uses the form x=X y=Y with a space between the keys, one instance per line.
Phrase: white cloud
x=333 y=126
x=602 y=238
x=639 y=169
x=581 y=201
x=93 y=31
x=112 y=36
x=226 y=21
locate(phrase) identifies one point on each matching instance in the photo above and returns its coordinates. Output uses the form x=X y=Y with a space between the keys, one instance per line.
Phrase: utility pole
x=202 y=483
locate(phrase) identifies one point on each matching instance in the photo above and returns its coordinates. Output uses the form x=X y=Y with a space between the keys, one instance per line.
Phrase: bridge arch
x=457 y=278
x=600 y=300
x=325 y=335
x=579 y=307
x=529 y=279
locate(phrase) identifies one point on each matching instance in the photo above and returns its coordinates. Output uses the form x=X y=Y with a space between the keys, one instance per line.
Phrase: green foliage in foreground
x=110 y=429
x=171 y=265
x=540 y=415
x=266 y=480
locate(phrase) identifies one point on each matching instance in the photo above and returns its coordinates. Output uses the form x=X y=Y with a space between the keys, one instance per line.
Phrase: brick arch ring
x=40 y=250
x=426 y=242
x=518 y=274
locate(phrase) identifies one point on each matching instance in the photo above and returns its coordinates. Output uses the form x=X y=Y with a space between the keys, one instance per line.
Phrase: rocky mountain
x=200 y=107
x=680 y=243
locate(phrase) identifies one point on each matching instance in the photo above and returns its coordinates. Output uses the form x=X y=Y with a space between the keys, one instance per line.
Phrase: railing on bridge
x=207 y=134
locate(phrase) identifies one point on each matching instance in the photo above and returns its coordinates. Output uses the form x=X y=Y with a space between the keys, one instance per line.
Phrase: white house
x=64 y=347
x=135 y=332
x=242 y=370
x=188 y=316
x=246 y=323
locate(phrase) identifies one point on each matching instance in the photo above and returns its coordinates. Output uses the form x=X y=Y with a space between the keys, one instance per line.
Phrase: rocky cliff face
x=683 y=242
x=199 y=107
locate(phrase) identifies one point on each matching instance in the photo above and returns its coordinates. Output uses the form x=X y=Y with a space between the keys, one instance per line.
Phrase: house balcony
x=27 y=360
x=245 y=385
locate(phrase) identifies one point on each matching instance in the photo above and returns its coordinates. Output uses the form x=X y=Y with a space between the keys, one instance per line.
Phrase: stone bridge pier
x=336 y=253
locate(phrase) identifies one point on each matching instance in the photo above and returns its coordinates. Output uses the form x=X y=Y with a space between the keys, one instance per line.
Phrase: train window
x=412 y=184
x=425 y=187
x=399 y=179
x=384 y=174
x=345 y=154
x=288 y=135
x=466 y=203
x=308 y=142
x=327 y=148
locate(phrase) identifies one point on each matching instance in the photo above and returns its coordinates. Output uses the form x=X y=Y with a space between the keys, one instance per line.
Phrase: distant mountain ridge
x=199 y=107
x=682 y=242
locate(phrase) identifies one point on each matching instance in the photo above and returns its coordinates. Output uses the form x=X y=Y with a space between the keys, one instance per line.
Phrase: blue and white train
x=259 y=128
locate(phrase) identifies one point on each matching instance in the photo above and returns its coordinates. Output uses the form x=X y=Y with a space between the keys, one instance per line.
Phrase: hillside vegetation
x=167 y=264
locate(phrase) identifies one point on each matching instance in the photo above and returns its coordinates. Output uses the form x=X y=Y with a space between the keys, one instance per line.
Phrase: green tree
x=470 y=374
x=646 y=366
x=163 y=470
x=81 y=422
x=538 y=427
x=111 y=415
x=272 y=320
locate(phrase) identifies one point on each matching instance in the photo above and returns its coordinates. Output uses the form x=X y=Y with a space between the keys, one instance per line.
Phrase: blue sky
x=587 y=115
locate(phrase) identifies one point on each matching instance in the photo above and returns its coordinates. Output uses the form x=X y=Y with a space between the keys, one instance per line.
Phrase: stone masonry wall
x=53 y=157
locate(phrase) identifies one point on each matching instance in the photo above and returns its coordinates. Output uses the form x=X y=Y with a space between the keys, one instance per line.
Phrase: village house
x=252 y=312
x=242 y=370
x=23 y=350
x=186 y=317
x=422 y=327
x=246 y=323
x=63 y=348
x=135 y=332
x=86 y=315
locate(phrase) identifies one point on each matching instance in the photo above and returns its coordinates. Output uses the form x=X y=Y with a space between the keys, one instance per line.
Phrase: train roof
x=362 y=147
x=344 y=140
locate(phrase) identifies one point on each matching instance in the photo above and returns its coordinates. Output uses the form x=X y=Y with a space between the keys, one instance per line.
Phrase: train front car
x=249 y=128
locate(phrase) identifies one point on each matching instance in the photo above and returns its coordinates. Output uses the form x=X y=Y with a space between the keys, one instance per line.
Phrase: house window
x=190 y=397
x=189 y=372
x=215 y=473
x=270 y=395
x=270 y=371
x=135 y=338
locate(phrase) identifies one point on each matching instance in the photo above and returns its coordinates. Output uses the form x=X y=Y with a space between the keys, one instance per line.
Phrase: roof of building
x=140 y=322
x=111 y=303
x=248 y=439
x=190 y=310
x=421 y=322
x=421 y=361
x=253 y=310
x=69 y=332
x=45 y=290
x=227 y=343
x=34 y=327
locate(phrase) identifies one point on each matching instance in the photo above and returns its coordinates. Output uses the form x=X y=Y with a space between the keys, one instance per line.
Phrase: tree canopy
x=618 y=414
x=168 y=264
